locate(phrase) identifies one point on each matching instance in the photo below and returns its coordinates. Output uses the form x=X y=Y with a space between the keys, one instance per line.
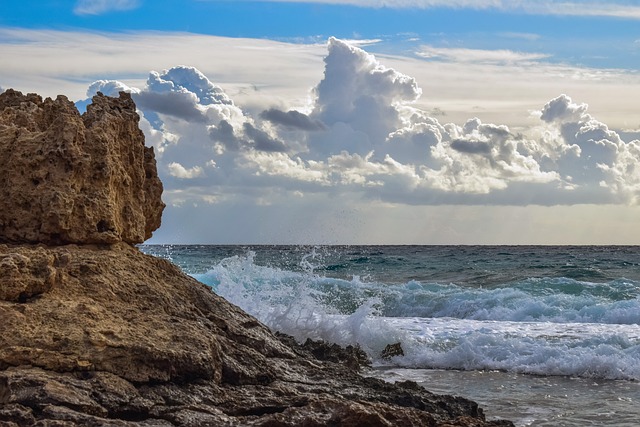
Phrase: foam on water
x=540 y=326
x=301 y=304
x=541 y=348
x=551 y=300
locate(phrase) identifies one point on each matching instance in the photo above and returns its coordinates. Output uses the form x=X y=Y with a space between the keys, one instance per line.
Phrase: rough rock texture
x=67 y=178
x=103 y=335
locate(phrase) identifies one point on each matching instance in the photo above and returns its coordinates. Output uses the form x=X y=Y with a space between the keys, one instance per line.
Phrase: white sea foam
x=290 y=302
x=542 y=348
x=530 y=327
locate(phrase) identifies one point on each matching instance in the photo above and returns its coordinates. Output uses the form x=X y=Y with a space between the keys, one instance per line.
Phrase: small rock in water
x=392 y=350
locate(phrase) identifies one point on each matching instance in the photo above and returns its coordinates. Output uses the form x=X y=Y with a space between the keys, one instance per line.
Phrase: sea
x=540 y=335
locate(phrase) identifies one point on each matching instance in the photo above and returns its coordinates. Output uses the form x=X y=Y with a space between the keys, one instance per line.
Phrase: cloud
x=358 y=98
x=569 y=158
x=188 y=80
x=615 y=8
x=97 y=7
x=478 y=55
x=471 y=147
x=109 y=88
x=365 y=136
x=521 y=36
x=202 y=138
x=179 y=171
x=591 y=153
x=181 y=105
x=262 y=140
x=361 y=42
x=292 y=119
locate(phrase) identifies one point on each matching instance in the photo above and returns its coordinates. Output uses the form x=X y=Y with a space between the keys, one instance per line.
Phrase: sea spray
x=536 y=325
x=303 y=304
x=540 y=348
x=474 y=321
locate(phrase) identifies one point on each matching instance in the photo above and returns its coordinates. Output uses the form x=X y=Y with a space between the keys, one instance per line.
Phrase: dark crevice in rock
x=103 y=226
x=26 y=297
x=129 y=415
x=263 y=410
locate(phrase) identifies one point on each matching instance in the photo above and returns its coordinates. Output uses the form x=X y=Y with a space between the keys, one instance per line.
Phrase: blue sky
x=395 y=121
x=598 y=41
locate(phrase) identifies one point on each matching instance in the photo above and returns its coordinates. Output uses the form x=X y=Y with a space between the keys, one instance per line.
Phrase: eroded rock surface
x=95 y=333
x=71 y=178
x=105 y=335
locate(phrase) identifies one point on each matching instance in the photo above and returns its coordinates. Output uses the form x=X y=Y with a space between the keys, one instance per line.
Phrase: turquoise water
x=561 y=319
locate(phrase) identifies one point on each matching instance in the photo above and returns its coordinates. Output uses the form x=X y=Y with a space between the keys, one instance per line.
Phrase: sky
x=361 y=122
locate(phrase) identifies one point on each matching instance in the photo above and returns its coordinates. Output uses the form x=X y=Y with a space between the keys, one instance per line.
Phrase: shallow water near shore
x=530 y=400
x=544 y=336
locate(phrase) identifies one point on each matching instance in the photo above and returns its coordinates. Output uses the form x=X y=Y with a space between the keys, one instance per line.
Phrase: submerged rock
x=93 y=332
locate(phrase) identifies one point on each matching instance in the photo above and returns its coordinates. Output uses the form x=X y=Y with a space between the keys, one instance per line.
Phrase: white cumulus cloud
x=179 y=171
x=364 y=135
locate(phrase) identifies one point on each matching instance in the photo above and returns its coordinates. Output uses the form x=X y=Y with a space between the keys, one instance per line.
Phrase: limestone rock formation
x=71 y=178
x=95 y=333
x=109 y=336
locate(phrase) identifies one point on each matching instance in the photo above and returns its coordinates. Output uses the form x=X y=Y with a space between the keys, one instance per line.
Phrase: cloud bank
x=362 y=135
x=615 y=8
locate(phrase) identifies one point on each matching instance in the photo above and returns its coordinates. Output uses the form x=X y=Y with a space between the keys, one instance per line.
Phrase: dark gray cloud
x=251 y=137
x=224 y=134
x=175 y=104
x=292 y=119
x=262 y=141
x=471 y=147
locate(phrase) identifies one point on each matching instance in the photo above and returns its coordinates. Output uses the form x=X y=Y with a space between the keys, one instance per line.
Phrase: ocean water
x=544 y=336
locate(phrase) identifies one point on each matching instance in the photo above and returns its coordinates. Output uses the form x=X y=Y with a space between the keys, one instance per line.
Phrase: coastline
x=96 y=333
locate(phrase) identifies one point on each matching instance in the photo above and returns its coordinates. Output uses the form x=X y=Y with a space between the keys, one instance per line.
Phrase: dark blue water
x=463 y=265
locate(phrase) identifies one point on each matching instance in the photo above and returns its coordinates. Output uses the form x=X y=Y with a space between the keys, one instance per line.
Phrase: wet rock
x=392 y=350
x=349 y=356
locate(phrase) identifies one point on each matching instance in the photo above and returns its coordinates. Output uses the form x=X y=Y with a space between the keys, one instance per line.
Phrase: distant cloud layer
x=479 y=55
x=363 y=134
x=97 y=7
x=614 y=8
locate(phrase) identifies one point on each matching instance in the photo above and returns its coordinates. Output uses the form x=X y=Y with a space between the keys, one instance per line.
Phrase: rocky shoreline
x=95 y=333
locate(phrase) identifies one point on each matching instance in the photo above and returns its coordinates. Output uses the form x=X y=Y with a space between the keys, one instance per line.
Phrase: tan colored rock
x=69 y=309
x=67 y=178
x=116 y=337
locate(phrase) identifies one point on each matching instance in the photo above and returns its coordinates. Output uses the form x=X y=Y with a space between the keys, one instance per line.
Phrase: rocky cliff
x=71 y=178
x=93 y=332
